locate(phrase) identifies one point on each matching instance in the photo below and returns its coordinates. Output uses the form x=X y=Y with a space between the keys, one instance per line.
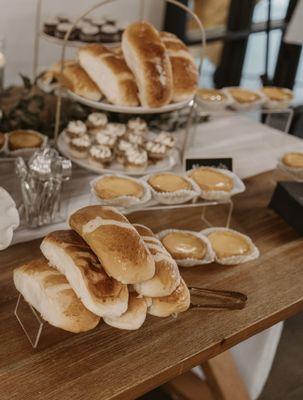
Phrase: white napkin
x=9 y=218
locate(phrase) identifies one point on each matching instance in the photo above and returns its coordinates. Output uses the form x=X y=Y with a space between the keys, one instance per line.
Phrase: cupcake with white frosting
x=135 y=160
x=166 y=139
x=104 y=139
x=115 y=129
x=99 y=155
x=121 y=148
x=95 y=122
x=74 y=130
x=156 y=151
x=137 y=125
x=79 y=146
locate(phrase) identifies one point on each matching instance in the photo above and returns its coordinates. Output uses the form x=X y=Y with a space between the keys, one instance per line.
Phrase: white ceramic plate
x=165 y=165
x=73 y=43
x=103 y=105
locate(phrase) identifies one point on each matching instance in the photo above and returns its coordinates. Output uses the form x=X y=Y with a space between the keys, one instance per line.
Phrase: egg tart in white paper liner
x=234 y=184
x=200 y=243
x=272 y=102
x=231 y=247
x=182 y=190
x=248 y=105
x=112 y=185
x=213 y=99
x=291 y=163
x=26 y=151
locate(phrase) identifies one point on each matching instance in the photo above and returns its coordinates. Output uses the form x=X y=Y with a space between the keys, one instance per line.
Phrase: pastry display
x=135 y=315
x=244 y=98
x=24 y=139
x=231 y=247
x=188 y=248
x=167 y=276
x=169 y=188
x=119 y=190
x=216 y=183
x=146 y=56
x=71 y=256
x=277 y=97
x=95 y=29
x=184 y=69
x=178 y=301
x=129 y=147
x=110 y=73
x=116 y=243
x=49 y=292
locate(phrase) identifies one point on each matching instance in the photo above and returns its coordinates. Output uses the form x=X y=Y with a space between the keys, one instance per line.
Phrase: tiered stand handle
x=102 y=3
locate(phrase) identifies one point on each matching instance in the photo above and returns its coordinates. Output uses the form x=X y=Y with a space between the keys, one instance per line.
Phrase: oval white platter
x=102 y=105
x=165 y=165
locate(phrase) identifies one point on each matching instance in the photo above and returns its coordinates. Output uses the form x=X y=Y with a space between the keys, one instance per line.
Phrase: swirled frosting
x=135 y=156
x=76 y=127
x=97 y=119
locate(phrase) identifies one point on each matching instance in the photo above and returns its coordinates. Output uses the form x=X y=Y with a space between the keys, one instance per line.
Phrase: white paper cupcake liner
x=192 y=262
x=274 y=105
x=29 y=151
x=178 y=197
x=122 y=201
x=215 y=106
x=221 y=195
x=235 y=105
x=233 y=260
x=297 y=173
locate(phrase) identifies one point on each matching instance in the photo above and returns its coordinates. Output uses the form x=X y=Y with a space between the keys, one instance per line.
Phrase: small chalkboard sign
x=222 y=162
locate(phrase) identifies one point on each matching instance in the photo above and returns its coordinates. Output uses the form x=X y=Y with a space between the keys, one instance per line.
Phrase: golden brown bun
x=134 y=317
x=167 y=276
x=111 y=187
x=116 y=243
x=23 y=139
x=146 y=56
x=177 y=302
x=184 y=68
x=49 y=292
x=70 y=255
x=78 y=81
x=110 y=73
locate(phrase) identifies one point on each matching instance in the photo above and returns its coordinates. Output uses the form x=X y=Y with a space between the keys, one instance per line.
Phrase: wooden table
x=111 y=364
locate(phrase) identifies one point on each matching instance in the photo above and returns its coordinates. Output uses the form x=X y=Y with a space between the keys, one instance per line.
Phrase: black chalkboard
x=222 y=162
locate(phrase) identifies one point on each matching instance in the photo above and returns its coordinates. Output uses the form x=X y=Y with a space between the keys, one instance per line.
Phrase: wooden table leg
x=224 y=379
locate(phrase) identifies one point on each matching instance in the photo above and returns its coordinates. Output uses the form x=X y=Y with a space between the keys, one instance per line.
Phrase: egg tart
x=22 y=139
x=244 y=96
x=168 y=182
x=278 y=94
x=111 y=187
x=227 y=243
x=293 y=160
x=211 y=179
x=211 y=95
x=184 y=245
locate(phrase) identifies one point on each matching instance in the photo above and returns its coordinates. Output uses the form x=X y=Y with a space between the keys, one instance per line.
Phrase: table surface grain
x=107 y=363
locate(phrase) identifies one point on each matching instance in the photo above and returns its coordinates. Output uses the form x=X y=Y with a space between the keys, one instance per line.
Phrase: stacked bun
x=103 y=267
x=151 y=69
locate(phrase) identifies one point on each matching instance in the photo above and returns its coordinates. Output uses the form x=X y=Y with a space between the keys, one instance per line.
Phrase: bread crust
x=49 y=292
x=116 y=243
x=70 y=255
x=184 y=69
x=167 y=276
x=146 y=56
x=110 y=73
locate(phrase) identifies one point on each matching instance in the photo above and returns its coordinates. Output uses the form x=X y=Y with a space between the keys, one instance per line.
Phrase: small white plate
x=164 y=165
